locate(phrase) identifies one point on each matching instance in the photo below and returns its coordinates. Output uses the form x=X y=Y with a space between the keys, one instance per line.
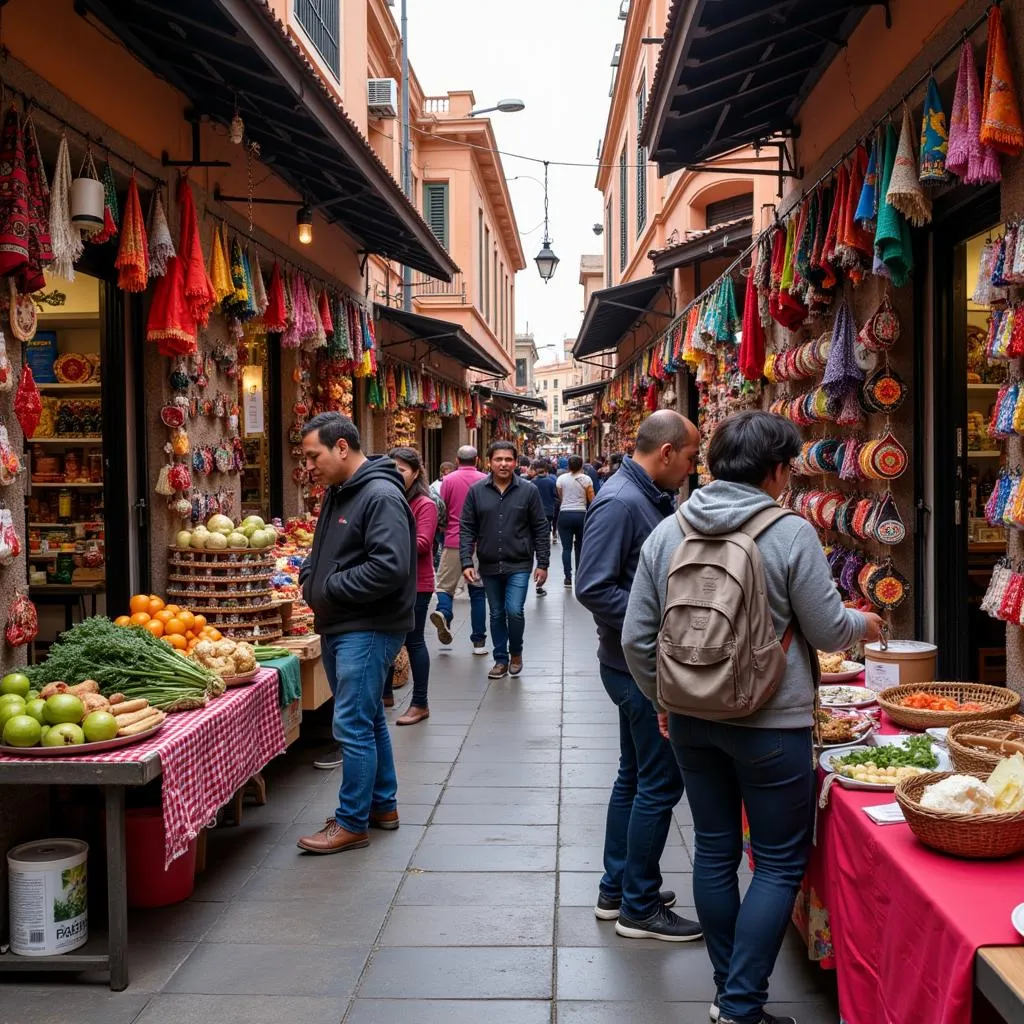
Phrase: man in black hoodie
x=360 y=581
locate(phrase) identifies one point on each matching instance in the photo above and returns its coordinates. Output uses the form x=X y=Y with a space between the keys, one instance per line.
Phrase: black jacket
x=507 y=529
x=361 y=572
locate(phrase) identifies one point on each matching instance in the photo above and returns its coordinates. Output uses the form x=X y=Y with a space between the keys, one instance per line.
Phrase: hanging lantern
x=236 y=131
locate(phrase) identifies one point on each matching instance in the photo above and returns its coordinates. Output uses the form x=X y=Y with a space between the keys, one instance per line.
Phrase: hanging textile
x=867 y=206
x=290 y=337
x=161 y=245
x=892 y=236
x=13 y=196
x=66 y=241
x=325 y=315
x=319 y=334
x=259 y=288
x=842 y=374
x=275 y=316
x=966 y=156
x=28 y=406
x=198 y=289
x=132 y=261
x=934 y=136
x=854 y=237
x=220 y=272
x=40 y=249
x=752 y=341
x=170 y=322
x=111 y=215
x=1001 y=126
x=905 y=192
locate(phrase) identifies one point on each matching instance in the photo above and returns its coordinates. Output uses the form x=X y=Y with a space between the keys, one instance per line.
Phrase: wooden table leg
x=117 y=889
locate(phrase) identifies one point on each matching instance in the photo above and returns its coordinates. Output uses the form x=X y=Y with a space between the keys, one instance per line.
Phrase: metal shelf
x=88 y=386
x=94 y=487
x=98 y=440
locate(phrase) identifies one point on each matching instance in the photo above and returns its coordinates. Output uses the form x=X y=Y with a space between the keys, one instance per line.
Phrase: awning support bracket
x=193 y=117
x=786 y=168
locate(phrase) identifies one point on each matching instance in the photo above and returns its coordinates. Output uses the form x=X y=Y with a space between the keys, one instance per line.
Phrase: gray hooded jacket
x=800 y=588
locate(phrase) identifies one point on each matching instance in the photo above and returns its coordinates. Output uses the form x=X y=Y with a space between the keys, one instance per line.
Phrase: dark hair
x=615 y=459
x=575 y=463
x=747 y=446
x=411 y=458
x=502 y=446
x=332 y=427
x=445 y=465
x=540 y=466
x=663 y=427
x=524 y=460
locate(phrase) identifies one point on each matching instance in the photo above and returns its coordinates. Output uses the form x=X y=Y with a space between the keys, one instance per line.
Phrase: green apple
x=67 y=734
x=63 y=707
x=37 y=710
x=99 y=726
x=15 y=682
x=22 y=731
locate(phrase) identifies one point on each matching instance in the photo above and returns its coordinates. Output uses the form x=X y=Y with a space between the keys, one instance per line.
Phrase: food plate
x=1017 y=919
x=939 y=735
x=862 y=728
x=242 y=680
x=851 y=669
x=837 y=753
x=81 y=749
x=846 y=696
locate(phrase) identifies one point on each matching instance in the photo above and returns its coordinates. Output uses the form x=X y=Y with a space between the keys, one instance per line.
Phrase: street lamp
x=509 y=106
x=546 y=260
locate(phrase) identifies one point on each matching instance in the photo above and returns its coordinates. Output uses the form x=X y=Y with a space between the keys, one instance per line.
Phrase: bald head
x=664 y=427
x=666 y=448
x=466 y=455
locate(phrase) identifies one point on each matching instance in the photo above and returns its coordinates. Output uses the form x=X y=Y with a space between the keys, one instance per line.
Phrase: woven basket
x=998 y=701
x=967 y=759
x=975 y=837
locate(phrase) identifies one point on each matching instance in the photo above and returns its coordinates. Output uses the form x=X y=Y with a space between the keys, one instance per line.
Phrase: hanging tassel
x=66 y=241
x=161 y=245
x=132 y=256
x=1001 y=127
x=111 y=214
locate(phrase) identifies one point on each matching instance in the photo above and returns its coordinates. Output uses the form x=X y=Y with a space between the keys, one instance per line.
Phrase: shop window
x=726 y=210
x=641 y=162
x=321 y=21
x=435 y=209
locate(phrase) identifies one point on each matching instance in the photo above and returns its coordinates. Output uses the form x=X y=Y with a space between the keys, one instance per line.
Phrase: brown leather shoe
x=332 y=838
x=498 y=669
x=389 y=702
x=413 y=715
x=515 y=666
x=386 y=820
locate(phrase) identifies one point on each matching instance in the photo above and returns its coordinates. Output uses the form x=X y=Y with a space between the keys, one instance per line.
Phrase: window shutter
x=435 y=209
x=623 y=221
x=641 y=162
x=730 y=209
x=321 y=21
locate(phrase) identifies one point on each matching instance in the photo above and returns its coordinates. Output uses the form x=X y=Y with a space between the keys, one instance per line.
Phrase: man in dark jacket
x=360 y=581
x=631 y=504
x=503 y=520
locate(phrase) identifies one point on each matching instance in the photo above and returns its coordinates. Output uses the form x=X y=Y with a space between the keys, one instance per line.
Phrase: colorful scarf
x=905 y=192
x=198 y=288
x=133 y=255
x=14 y=219
x=1001 y=126
x=752 y=341
x=111 y=214
x=220 y=272
x=842 y=374
x=40 y=249
x=892 y=236
x=967 y=157
x=866 y=213
x=276 y=316
x=934 y=136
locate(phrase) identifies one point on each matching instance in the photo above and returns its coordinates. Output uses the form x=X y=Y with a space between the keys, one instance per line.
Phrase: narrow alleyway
x=477 y=908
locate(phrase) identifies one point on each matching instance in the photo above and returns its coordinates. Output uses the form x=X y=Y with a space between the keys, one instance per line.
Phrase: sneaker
x=714 y=1013
x=498 y=669
x=440 y=623
x=515 y=666
x=332 y=759
x=568 y=582
x=662 y=924
x=766 y=1018
x=541 y=591
x=480 y=647
x=607 y=907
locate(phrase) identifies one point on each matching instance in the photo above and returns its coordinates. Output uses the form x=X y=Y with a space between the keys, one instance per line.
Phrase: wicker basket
x=999 y=703
x=975 y=837
x=967 y=759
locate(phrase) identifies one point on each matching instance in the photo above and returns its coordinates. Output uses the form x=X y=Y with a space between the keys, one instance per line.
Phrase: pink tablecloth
x=206 y=755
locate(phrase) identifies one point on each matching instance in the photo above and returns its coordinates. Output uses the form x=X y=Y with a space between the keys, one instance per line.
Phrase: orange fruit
x=123 y=620
x=200 y=623
x=156 y=604
x=156 y=627
x=164 y=616
x=175 y=627
x=187 y=618
x=215 y=634
x=172 y=608
x=177 y=641
x=139 y=603
x=140 y=618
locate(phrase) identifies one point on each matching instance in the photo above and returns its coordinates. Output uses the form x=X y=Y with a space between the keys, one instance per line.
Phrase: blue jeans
x=506 y=598
x=356 y=665
x=646 y=790
x=770 y=773
x=570 y=536
x=477 y=611
x=419 y=656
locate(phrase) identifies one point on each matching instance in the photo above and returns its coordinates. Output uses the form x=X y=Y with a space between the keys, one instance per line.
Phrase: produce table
x=204 y=756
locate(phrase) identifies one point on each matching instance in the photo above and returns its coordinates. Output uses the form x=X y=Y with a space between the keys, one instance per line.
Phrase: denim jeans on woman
x=356 y=665
x=419 y=656
x=768 y=772
x=570 y=536
x=646 y=790
x=506 y=599
x=477 y=610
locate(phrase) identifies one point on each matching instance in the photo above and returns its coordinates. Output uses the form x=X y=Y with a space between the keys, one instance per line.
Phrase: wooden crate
x=291 y=721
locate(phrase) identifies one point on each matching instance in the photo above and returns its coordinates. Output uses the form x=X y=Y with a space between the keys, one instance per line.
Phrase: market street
x=485 y=893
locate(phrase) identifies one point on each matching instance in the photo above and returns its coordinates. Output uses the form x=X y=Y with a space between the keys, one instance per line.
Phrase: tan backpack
x=718 y=654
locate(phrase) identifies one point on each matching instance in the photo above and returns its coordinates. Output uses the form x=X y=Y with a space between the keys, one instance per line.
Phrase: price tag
x=880 y=675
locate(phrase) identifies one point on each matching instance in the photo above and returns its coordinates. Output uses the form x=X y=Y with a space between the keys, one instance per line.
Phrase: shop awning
x=734 y=72
x=568 y=424
x=514 y=398
x=582 y=390
x=612 y=311
x=222 y=52
x=727 y=239
x=447 y=338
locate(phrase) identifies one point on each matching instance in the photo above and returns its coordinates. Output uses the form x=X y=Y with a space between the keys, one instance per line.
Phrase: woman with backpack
x=750 y=596
x=424 y=510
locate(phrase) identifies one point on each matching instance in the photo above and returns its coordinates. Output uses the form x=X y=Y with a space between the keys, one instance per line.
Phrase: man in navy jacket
x=631 y=504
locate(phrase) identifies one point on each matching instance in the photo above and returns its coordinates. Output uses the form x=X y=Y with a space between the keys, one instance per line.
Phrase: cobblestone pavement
x=477 y=908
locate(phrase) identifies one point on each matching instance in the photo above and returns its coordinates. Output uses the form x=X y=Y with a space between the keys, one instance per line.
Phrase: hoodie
x=800 y=591
x=361 y=573
x=618 y=522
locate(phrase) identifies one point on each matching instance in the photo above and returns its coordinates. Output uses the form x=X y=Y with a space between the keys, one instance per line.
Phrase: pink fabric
x=454 y=488
x=424 y=511
x=206 y=755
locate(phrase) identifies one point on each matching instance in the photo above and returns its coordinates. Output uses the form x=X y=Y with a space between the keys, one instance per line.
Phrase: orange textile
x=199 y=293
x=1001 y=126
x=133 y=254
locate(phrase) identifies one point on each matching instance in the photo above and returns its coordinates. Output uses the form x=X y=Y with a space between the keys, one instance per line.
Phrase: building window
x=554 y=383
x=495 y=268
x=545 y=385
x=608 y=246
x=500 y=280
x=556 y=423
x=641 y=162
x=480 y=259
x=726 y=210
x=554 y=405
x=487 y=274
x=520 y=373
x=321 y=21
x=623 y=223
x=435 y=209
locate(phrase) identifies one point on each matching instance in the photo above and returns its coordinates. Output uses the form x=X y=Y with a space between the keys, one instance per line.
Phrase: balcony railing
x=428 y=287
x=436 y=104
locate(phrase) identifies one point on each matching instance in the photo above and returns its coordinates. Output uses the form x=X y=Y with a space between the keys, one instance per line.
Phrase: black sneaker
x=766 y=1018
x=440 y=623
x=607 y=907
x=541 y=591
x=480 y=647
x=568 y=582
x=662 y=924
x=329 y=760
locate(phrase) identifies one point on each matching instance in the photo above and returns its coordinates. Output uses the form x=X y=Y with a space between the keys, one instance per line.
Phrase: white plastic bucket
x=87 y=205
x=902 y=663
x=49 y=908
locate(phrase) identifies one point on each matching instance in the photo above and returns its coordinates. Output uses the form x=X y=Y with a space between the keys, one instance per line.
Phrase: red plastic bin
x=149 y=885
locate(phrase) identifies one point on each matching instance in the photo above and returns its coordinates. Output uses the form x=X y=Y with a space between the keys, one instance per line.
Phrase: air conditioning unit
x=382 y=97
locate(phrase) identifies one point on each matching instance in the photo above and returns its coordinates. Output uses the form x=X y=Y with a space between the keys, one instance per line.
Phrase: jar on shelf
x=94 y=462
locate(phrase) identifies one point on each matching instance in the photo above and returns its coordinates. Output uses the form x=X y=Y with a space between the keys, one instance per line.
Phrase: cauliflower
x=203 y=651
x=244 y=659
x=225 y=648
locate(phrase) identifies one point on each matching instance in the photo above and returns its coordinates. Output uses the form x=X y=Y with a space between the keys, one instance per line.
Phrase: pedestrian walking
x=575 y=493
x=503 y=522
x=757 y=756
x=545 y=484
x=454 y=489
x=424 y=510
x=648 y=785
x=360 y=581
x=442 y=520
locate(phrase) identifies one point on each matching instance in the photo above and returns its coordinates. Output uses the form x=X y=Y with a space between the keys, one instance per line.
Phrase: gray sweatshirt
x=800 y=588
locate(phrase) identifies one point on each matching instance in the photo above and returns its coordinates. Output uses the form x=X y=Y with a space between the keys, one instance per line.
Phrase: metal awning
x=582 y=390
x=735 y=72
x=447 y=338
x=613 y=311
x=724 y=240
x=222 y=52
x=566 y=424
x=514 y=398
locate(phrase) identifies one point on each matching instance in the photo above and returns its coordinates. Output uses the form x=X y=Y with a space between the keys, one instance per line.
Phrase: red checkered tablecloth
x=206 y=755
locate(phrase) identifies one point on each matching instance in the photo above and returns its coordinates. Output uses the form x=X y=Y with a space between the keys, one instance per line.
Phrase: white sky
x=555 y=55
